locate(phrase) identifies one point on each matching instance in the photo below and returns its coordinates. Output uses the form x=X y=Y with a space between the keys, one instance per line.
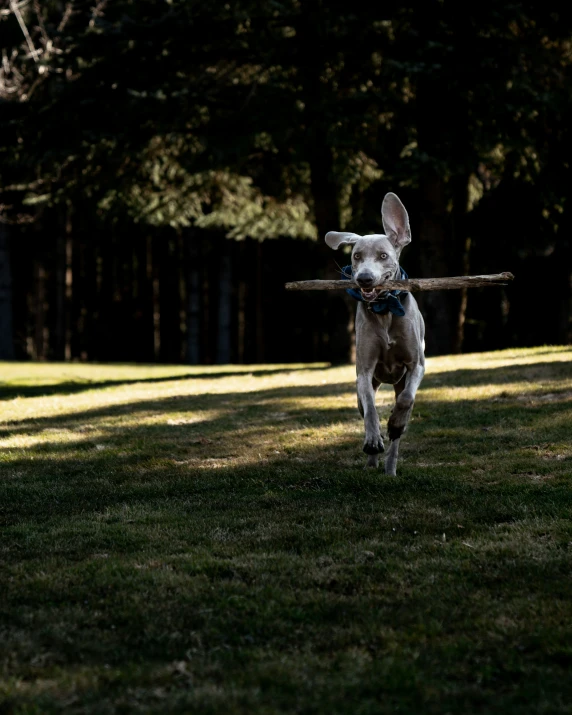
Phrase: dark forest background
x=166 y=165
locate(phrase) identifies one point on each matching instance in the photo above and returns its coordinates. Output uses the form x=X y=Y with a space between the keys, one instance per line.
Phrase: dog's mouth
x=370 y=295
x=373 y=294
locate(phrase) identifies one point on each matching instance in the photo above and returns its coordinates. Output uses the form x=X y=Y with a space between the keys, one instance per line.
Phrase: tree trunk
x=207 y=309
x=444 y=142
x=39 y=310
x=315 y=46
x=241 y=327
x=463 y=301
x=60 y=296
x=323 y=187
x=154 y=271
x=317 y=52
x=434 y=247
x=169 y=298
x=104 y=343
x=68 y=286
x=82 y=291
x=260 y=351
x=561 y=275
x=6 y=336
x=223 y=351
x=193 y=299
x=462 y=247
x=142 y=298
x=182 y=300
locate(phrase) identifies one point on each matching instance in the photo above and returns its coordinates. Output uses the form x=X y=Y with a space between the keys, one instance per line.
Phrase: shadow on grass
x=71 y=387
x=532 y=373
x=153 y=571
x=96 y=466
x=246 y=405
x=227 y=401
x=498 y=375
x=104 y=465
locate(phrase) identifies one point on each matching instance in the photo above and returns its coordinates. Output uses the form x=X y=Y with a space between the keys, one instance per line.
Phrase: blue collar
x=388 y=302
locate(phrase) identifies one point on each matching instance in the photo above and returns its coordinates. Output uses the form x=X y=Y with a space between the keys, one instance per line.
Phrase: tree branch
x=16 y=10
x=412 y=284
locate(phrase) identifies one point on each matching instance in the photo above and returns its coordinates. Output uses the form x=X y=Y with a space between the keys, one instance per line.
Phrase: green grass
x=207 y=540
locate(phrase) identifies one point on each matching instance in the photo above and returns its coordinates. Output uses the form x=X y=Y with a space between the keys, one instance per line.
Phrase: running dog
x=390 y=332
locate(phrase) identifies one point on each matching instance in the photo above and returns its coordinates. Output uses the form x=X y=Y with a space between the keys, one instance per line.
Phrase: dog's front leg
x=373 y=444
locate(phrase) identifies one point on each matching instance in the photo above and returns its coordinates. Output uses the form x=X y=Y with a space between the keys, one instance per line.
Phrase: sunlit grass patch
x=207 y=540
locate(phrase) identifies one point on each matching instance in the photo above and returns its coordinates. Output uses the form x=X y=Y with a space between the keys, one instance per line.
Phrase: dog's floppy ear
x=335 y=239
x=395 y=221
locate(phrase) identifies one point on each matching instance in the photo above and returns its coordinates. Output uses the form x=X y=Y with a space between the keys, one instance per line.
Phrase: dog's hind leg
x=391 y=458
x=390 y=465
x=405 y=392
x=372 y=460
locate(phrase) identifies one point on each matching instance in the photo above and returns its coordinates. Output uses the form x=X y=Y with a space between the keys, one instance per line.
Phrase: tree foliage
x=290 y=118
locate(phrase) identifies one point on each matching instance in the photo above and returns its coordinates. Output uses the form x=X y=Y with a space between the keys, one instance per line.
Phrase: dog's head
x=375 y=258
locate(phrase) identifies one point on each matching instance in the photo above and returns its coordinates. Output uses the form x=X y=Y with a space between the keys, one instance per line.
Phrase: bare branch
x=66 y=16
x=97 y=11
x=9 y=11
x=41 y=25
x=16 y=10
x=412 y=284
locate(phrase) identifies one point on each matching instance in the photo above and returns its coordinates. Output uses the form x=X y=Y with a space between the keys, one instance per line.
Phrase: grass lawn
x=207 y=540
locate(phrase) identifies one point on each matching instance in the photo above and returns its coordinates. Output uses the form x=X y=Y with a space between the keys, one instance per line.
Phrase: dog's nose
x=365 y=279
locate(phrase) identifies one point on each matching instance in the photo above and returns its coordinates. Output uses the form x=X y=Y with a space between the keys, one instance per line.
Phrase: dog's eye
x=383 y=255
x=357 y=256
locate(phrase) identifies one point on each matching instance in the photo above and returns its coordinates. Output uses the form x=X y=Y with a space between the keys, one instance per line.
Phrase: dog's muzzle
x=367 y=284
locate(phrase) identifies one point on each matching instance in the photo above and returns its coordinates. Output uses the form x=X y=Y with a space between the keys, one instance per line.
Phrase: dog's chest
x=390 y=366
x=386 y=343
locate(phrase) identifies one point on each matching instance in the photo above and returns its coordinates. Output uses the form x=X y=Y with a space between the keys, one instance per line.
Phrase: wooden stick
x=412 y=284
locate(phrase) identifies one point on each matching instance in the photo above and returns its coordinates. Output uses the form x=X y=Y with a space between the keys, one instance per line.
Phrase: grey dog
x=389 y=348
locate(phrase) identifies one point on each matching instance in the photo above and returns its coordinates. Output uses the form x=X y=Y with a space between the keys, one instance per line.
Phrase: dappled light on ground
x=244 y=415
x=210 y=542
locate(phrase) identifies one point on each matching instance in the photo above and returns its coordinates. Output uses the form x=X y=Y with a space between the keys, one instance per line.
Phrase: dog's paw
x=373 y=445
x=397 y=425
x=399 y=417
